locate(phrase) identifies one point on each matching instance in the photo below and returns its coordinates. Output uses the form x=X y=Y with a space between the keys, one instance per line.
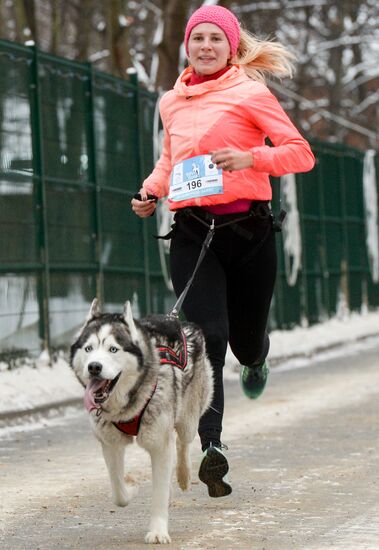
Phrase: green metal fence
x=335 y=271
x=75 y=145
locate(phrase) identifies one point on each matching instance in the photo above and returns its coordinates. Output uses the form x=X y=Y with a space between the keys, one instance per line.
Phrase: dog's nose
x=95 y=368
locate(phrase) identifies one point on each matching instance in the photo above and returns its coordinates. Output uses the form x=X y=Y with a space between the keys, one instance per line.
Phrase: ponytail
x=262 y=58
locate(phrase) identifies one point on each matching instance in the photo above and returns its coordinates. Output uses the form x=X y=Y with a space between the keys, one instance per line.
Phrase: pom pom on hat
x=222 y=17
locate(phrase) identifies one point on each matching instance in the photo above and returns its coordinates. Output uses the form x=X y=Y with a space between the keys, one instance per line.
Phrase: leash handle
x=174 y=313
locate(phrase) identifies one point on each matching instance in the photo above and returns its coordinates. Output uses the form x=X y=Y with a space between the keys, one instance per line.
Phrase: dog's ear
x=94 y=310
x=128 y=316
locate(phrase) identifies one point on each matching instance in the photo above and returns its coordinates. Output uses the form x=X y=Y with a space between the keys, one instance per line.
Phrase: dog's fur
x=128 y=349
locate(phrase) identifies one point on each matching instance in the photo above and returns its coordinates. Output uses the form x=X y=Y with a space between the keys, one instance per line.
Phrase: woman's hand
x=145 y=207
x=232 y=159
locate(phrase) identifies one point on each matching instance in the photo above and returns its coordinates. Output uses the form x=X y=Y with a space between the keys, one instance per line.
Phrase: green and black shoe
x=253 y=379
x=213 y=470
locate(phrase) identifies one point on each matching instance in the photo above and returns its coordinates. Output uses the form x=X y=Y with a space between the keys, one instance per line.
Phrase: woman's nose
x=206 y=44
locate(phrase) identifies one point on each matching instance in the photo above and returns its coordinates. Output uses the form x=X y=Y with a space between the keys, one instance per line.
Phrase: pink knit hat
x=219 y=16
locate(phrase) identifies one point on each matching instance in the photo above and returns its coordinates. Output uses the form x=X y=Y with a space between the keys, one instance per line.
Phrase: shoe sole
x=213 y=468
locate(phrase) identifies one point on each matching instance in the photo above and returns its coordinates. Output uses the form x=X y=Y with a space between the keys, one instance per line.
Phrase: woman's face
x=208 y=49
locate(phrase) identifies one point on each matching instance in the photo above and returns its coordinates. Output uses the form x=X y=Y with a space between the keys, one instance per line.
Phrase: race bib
x=195 y=177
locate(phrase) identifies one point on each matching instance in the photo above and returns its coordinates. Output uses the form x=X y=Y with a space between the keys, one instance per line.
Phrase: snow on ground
x=27 y=386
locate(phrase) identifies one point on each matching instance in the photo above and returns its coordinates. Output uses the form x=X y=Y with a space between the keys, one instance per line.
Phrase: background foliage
x=332 y=97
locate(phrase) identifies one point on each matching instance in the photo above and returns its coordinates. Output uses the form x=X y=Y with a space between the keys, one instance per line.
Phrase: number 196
x=194 y=184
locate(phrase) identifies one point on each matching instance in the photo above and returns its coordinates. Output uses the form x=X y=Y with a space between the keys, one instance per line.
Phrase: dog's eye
x=113 y=349
x=88 y=349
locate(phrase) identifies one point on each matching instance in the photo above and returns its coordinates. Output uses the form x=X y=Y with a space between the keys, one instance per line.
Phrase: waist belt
x=258 y=210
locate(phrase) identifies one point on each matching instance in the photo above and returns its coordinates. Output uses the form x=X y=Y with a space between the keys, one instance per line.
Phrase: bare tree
x=334 y=93
x=56 y=21
x=25 y=20
x=117 y=33
x=83 y=38
x=173 y=21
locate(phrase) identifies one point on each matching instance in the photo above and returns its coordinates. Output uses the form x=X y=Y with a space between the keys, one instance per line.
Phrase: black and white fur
x=121 y=347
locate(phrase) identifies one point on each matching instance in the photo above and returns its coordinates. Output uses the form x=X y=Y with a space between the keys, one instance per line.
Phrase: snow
x=36 y=385
x=291 y=229
x=32 y=386
x=371 y=206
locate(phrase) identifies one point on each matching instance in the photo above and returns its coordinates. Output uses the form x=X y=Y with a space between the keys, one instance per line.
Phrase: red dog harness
x=167 y=357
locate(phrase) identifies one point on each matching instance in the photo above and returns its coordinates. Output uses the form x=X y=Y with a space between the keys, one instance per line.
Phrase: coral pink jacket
x=232 y=111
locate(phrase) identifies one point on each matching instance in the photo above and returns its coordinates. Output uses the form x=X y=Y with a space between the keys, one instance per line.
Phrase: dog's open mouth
x=100 y=389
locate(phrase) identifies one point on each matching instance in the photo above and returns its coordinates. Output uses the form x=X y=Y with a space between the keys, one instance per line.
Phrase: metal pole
x=140 y=156
x=324 y=259
x=345 y=263
x=97 y=231
x=40 y=202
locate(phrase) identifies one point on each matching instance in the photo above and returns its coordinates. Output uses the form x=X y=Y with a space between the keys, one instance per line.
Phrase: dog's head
x=106 y=347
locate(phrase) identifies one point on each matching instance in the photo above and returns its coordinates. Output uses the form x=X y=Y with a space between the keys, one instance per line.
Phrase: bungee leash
x=276 y=224
x=174 y=313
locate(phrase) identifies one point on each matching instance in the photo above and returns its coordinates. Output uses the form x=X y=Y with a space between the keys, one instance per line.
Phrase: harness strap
x=167 y=357
x=131 y=427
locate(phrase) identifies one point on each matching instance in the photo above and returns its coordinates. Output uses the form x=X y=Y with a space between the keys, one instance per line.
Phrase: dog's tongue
x=92 y=387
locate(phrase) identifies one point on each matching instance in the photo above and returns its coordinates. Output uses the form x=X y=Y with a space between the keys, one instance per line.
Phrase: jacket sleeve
x=291 y=152
x=158 y=181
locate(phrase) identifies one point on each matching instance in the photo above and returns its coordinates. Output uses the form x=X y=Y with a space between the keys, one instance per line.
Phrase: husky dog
x=152 y=373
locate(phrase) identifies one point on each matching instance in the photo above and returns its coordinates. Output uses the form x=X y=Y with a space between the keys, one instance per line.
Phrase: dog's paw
x=183 y=475
x=183 y=481
x=121 y=500
x=124 y=496
x=158 y=537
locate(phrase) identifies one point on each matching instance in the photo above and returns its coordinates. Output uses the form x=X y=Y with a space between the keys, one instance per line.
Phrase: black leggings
x=230 y=296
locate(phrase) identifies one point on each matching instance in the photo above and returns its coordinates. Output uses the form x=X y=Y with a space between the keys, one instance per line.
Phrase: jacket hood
x=231 y=78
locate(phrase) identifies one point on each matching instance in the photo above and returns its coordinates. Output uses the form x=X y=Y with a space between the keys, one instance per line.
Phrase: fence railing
x=75 y=145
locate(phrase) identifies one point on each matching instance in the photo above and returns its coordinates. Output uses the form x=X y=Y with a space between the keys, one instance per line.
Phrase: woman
x=216 y=119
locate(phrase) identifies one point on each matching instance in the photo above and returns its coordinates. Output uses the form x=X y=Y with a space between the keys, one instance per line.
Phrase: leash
x=276 y=224
x=174 y=313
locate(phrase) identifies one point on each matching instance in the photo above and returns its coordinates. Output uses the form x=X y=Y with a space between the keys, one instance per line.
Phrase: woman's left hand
x=232 y=159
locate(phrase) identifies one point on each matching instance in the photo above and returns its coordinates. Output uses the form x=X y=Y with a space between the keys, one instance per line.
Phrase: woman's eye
x=88 y=349
x=113 y=349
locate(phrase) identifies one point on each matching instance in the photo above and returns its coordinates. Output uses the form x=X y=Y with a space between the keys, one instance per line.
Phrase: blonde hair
x=262 y=58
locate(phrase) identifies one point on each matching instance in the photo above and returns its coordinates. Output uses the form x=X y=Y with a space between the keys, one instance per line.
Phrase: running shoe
x=213 y=469
x=253 y=380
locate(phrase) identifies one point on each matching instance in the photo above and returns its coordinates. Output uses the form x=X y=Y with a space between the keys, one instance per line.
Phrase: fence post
x=43 y=287
x=323 y=250
x=140 y=155
x=303 y=280
x=345 y=238
x=98 y=232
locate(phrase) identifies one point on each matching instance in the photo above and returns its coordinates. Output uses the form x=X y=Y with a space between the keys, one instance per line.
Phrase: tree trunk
x=20 y=21
x=174 y=19
x=117 y=33
x=56 y=22
x=85 y=8
x=31 y=21
x=336 y=65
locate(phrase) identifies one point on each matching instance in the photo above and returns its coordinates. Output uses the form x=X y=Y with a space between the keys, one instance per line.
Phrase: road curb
x=12 y=418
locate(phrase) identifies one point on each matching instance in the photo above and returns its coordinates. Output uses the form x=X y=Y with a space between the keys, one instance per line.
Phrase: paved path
x=304 y=469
